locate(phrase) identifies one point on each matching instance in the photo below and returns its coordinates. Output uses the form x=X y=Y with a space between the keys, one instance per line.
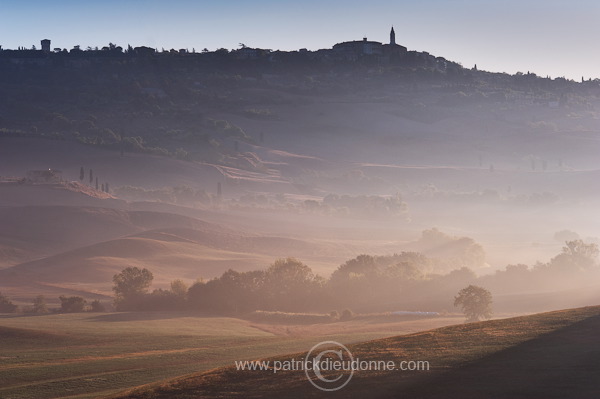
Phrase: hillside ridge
x=450 y=350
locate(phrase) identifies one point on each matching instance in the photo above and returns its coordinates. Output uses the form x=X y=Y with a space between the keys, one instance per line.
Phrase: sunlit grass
x=445 y=349
x=92 y=355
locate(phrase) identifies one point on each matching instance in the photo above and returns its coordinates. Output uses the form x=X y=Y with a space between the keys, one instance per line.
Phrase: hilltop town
x=213 y=106
x=364 y=51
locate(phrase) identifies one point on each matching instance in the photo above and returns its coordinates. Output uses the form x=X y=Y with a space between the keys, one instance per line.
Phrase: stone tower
x=392 y=37
x=46 y=45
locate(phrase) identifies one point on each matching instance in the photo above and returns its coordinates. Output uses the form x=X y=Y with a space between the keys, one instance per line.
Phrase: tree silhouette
x=81 y=173
x=39 y=305
x=97 y=306
x=576 y=254
x=580 y=249
x=179 y=288
x=72 y=304
x=130 y=286
x=6 y=305
x=475 y=301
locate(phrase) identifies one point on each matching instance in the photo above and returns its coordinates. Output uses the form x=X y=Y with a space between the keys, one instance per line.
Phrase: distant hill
x=186 y=253
x=34 y=231
x=216 y=108
x=87 y=246
x=364 y=155
x=545 y=355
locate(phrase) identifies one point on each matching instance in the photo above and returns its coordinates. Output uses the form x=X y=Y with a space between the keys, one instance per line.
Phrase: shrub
x=6 y=306
x=72 y=304
x=346 y=315
x=39 y=305
x=334 y=315
x=161 y=300
x=97 y=306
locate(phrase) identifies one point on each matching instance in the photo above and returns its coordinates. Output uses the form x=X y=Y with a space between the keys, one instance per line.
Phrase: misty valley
x=166 y=216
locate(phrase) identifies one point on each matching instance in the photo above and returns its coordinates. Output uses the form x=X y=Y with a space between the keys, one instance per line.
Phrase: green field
x=93 y=355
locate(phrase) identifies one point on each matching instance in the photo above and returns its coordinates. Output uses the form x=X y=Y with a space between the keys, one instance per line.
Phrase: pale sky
x=548 y=37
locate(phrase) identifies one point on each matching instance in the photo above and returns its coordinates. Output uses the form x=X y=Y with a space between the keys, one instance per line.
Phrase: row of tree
x=287 y=285
x=39 y=305
x=475 y=301
x=365 y=283
x=103 y=188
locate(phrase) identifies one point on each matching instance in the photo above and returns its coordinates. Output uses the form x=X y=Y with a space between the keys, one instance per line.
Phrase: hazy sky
x=548 y=37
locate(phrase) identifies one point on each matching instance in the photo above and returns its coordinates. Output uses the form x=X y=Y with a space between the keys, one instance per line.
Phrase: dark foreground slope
x=561 y=364
x=548 y=355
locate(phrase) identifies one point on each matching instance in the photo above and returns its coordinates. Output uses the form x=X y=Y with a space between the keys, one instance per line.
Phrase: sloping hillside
x=29 y=232
x=190 y=250
x=545 y=355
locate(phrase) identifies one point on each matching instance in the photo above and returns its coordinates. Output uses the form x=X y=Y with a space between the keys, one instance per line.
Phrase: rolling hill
x=91 y=355
x=107 y=240
x=219 y=164
x=42 y=230
x=544 y=355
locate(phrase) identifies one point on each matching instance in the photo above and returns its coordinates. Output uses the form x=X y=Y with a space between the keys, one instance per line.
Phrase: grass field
x=93 y=355
x=548 y=355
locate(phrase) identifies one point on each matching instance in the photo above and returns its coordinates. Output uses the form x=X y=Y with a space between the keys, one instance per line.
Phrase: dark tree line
x=288 y=285
x=71 y=304
x=365 y=283
x=6 y=305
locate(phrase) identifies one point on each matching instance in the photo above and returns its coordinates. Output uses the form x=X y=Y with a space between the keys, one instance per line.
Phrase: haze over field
x=178 y=201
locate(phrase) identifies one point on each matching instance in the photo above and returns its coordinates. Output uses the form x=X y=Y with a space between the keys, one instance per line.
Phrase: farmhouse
x=44 y=176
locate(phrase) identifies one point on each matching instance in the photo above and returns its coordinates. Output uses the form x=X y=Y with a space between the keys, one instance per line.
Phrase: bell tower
x=392 y=37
